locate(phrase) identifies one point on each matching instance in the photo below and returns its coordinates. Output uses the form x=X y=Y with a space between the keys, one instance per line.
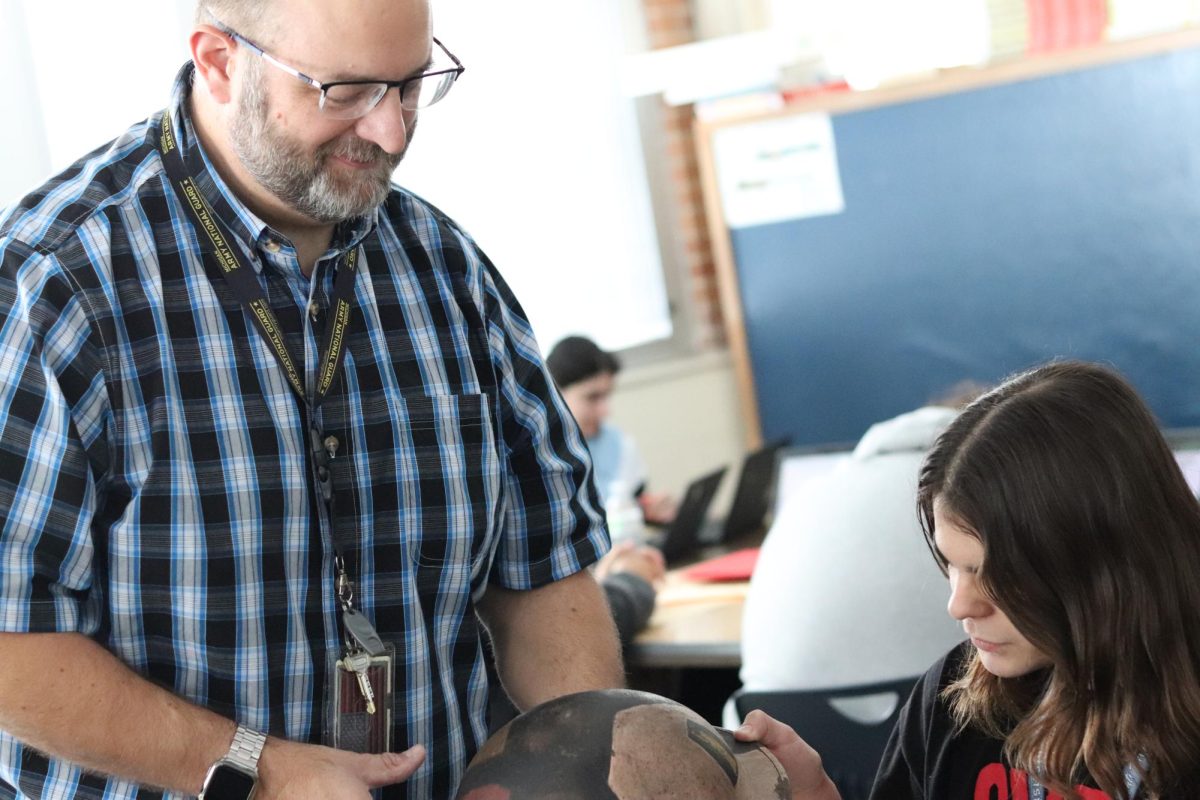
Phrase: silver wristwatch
x=235 y=777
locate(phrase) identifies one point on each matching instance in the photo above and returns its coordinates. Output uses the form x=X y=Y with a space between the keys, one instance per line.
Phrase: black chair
x=850 y=750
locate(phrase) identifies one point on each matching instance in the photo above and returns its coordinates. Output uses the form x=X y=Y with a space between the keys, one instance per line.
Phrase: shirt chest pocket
x=451 y=484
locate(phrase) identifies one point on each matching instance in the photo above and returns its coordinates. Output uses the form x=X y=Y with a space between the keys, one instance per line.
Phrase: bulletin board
x=990 y=221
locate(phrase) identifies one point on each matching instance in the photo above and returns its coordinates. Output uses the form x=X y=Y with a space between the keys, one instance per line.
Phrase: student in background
x=844 y=564
x=586 y=376
x=1072 y=545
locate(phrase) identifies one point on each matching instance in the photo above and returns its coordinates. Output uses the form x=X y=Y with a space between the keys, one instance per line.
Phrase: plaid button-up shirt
x=157 y=483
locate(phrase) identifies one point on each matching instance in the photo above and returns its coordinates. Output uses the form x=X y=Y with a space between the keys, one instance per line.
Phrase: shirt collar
x=241 y=222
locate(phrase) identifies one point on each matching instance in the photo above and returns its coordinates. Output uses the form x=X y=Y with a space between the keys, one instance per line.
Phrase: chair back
x=850 y=749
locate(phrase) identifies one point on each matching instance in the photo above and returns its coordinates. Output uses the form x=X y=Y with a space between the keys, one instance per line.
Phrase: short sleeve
x=553 y=523
x=50 y=393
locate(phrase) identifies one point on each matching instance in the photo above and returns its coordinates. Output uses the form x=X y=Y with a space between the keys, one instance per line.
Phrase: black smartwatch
x=235 y=777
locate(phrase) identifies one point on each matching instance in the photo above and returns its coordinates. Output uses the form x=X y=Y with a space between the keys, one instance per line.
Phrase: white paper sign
x=778 y=169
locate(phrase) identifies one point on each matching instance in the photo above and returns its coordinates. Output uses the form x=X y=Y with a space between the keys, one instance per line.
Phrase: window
x=539 y=157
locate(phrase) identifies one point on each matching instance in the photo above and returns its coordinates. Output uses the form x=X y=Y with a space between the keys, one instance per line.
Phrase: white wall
x=62 y=98
x=686 y=419
x=714 y=18
x=23 y=134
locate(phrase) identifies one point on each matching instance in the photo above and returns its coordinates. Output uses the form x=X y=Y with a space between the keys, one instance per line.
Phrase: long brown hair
x=1091 y=541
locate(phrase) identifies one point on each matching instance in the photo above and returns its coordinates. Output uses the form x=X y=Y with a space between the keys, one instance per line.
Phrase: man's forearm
x=66 y=696
x=553 y=640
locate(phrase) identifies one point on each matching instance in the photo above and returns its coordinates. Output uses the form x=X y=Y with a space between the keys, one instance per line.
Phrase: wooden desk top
x=694 y=625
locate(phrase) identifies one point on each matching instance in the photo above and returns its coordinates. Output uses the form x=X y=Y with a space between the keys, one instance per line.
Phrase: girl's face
x=1002 y=649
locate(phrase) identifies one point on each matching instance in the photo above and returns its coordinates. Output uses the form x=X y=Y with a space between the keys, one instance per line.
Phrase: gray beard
x=306 y=182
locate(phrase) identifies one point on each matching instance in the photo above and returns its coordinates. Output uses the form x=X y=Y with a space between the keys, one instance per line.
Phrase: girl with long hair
x=1072 y=545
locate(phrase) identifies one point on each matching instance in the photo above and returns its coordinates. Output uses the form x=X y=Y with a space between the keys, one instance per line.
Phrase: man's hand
x=658 y=508
x=294 y=771
x=92 y=709
x=802 y=763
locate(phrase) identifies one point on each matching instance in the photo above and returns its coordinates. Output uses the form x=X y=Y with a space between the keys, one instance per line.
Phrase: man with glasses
x=276 y=443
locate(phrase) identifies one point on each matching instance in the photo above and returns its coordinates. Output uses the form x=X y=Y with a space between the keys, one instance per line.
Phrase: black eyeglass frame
x=457 y=70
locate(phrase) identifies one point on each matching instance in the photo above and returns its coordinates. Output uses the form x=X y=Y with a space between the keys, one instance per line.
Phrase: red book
x=735 y=566
x=1062 y=24
x=1039 y=26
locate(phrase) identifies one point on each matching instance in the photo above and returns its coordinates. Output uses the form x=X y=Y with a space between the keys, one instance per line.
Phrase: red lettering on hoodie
x=1014 y=785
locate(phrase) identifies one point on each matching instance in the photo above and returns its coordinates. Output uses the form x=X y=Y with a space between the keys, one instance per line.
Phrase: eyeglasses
x=354 y=99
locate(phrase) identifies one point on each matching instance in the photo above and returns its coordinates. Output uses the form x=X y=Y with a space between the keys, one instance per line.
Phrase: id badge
x=350 y=725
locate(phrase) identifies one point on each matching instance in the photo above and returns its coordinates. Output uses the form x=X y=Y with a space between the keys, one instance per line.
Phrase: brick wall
x=670 y=23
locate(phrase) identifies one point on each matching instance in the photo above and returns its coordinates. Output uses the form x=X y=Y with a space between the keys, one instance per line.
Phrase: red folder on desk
x=735 y=566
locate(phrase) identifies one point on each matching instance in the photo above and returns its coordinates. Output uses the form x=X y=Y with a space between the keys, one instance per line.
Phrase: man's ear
x=212 y=53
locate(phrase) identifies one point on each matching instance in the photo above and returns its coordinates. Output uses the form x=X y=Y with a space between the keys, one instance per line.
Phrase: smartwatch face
x=229 y=783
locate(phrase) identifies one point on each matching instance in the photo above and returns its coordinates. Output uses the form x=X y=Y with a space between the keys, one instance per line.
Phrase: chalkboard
x=986 y=231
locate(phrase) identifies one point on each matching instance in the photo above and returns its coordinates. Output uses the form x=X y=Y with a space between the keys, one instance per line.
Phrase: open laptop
x=1185 y=444
x=799 y=465
x=679 y=539
x=751 y=498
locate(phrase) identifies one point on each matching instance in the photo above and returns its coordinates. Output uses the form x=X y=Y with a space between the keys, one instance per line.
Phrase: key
x=358 y=662
x=361 y=632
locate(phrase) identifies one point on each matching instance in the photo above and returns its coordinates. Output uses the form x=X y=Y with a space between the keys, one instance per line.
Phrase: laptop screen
x=1189 y=464
x=683 y=534
x=752 y=499
x=797 y=466
x=1185 y=442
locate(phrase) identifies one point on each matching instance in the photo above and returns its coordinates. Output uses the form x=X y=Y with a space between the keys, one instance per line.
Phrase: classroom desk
x=694 y=625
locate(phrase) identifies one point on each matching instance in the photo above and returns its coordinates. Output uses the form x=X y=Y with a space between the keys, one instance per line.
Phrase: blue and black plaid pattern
x=157 y=488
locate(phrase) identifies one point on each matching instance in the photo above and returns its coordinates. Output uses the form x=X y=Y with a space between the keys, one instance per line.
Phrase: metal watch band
x=245 y=749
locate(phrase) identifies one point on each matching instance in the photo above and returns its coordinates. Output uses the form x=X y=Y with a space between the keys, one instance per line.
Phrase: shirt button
x=272 y=246
x=331 y=445
x=314 y=311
